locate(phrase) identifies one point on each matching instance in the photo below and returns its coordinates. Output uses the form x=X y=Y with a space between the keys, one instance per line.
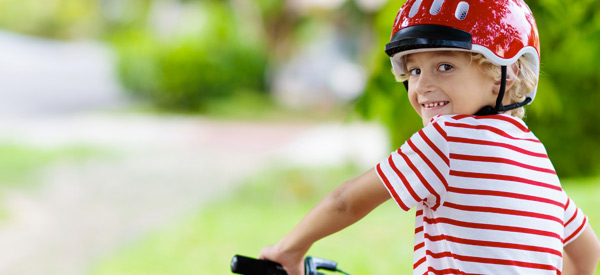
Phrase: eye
x=414 y=71
x=445 y=67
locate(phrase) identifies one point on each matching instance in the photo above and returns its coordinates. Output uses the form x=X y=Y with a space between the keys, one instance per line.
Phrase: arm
x=344 y=206
x=582 y=254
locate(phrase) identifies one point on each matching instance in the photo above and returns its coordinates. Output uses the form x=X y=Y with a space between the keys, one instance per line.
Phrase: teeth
x=431 y=105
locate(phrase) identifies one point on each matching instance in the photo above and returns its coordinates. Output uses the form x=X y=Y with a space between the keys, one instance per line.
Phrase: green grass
x=19 y=164
x=266 y=207
x=259 y=213
x=585 y=193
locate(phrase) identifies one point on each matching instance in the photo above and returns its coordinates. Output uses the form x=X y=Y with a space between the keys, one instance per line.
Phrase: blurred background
x=164 y=136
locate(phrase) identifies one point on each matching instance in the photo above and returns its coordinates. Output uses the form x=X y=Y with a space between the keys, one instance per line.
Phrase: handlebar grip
x=250 y=266
x=312 y=264
x=321 y=263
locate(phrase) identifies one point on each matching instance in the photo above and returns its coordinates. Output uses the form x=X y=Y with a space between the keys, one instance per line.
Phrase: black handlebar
x=250 y=266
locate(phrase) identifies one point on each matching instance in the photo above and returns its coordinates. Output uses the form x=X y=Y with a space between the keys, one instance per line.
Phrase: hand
x=293 y=263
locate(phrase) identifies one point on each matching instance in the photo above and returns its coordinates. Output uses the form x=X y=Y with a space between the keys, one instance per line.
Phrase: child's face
x=447 y=82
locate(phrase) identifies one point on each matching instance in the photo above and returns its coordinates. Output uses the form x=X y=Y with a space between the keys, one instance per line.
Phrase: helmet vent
x=415 y=8
x=461 y=10
x=436 y=7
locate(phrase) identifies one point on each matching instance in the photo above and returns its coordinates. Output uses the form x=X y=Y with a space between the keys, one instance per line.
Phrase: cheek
x=412 y=97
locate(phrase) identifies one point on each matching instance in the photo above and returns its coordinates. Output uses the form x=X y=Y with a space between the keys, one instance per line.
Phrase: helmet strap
x=489 y=110
x=499 y=107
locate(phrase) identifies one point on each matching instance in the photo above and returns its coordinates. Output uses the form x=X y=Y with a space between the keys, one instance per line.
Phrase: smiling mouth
x=435 y=104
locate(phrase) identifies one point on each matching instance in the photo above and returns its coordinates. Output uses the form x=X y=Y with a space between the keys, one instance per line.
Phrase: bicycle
x=251 y=266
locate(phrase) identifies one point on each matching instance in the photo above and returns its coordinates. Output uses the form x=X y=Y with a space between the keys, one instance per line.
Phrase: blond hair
x=525 y=79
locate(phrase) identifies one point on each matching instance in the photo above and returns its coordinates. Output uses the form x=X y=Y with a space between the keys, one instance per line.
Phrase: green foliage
x=52 y=18
x=20 y=164
x=208 y=59
x=564 y=115
x=271 y=8
x=570 y=35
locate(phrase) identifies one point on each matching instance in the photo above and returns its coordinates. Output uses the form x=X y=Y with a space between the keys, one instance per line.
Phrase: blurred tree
x=183 y=54
x=564 y=115
x=178 y=53
x=566 y=118
x=279 y=23
x=52 y=18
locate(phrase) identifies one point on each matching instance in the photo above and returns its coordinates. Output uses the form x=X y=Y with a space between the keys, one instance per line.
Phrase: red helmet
x=500 y=30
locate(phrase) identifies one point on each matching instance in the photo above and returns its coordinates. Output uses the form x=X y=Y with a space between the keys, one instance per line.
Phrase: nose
x=423 y=84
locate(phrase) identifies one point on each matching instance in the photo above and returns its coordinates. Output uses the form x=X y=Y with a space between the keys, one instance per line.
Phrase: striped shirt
x=487 y=196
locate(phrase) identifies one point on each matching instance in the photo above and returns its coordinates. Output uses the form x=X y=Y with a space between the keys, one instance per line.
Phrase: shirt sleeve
x=418 y=170
x=575 y=221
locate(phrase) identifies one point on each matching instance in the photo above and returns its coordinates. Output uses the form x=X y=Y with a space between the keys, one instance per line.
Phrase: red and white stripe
x=487 y=196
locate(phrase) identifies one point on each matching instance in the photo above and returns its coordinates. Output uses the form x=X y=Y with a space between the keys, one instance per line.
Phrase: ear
x=511 y=75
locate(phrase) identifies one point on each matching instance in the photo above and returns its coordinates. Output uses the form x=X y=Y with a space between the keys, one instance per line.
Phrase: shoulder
x=463 y=122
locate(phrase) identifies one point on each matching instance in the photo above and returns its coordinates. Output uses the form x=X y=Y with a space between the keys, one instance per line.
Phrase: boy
x=488 y=200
